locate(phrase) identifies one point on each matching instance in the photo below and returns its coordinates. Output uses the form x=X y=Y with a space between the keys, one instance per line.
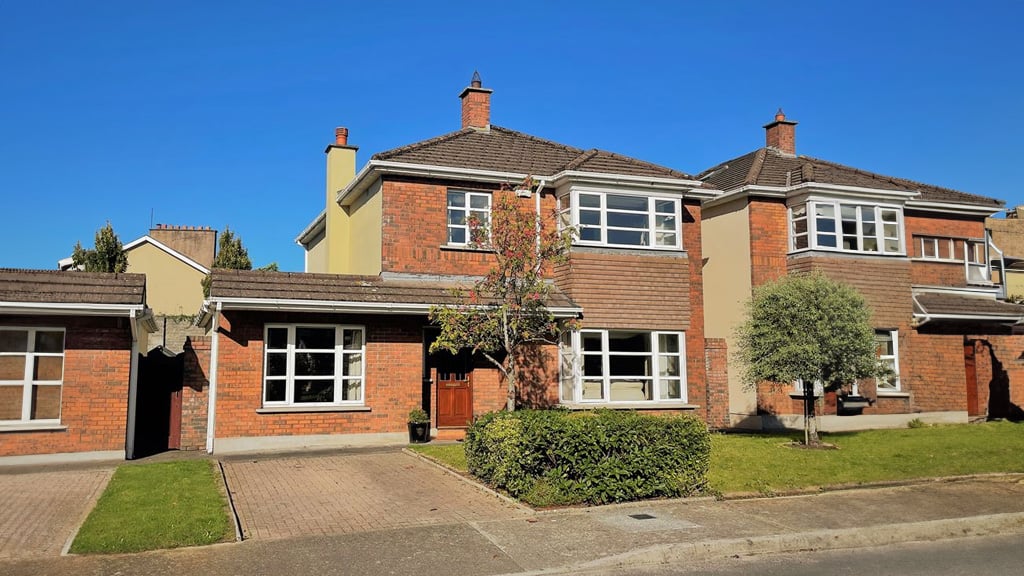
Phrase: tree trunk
x=510 y=378
x=810 y=422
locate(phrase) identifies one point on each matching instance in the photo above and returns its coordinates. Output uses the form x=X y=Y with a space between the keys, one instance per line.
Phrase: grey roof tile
x=769 y=167
x=54 y=286
x=946 y=303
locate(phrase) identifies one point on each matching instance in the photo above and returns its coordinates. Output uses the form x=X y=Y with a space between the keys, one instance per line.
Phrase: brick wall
x=172 y=332
x=415 y=227
x=94 y=395
x=768 y=240
x=924 y=224
x=195 y=393
x=716 y=366
x=883 y=282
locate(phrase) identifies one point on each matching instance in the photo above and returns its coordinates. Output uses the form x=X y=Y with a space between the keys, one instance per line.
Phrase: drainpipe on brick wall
x=537 y=201
x=211 y=415
x=133 y=387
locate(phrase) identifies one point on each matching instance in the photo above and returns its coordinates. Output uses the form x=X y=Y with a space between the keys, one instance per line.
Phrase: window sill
x=629 y=405
x=630 y=250
x=461 y=248
x=29 y=427
x=800 y=395
x=895 y=394
x=303 y=409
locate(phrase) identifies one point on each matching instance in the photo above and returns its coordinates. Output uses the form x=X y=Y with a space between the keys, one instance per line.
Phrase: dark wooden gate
x=158 y=408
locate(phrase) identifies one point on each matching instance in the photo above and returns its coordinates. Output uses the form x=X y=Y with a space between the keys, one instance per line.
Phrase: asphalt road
x=981 y=556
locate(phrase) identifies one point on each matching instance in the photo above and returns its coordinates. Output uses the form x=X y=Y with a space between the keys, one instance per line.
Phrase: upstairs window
x=971 y=252
x=463 y=209
x=31 y=374
x=625 y=220
x=846 y=227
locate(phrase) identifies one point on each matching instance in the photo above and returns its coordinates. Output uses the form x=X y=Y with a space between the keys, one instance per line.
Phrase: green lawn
x=763 y=463
x=152 y=506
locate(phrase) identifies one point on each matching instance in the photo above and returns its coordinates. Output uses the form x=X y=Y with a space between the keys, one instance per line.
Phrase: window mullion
x=289 y=385
x=26 y=389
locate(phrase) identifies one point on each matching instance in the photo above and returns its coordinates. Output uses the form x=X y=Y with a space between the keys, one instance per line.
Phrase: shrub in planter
x=558 y=457
x=419 y=426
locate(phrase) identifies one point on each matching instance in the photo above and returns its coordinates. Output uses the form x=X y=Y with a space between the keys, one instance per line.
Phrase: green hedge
x=551 y=457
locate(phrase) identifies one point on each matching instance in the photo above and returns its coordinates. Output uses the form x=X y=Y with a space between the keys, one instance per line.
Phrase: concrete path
x=287 y=497
x=39 y=511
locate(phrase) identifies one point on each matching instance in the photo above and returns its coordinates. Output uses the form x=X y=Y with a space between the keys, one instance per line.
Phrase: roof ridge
x=583 y=157
x=384 y=155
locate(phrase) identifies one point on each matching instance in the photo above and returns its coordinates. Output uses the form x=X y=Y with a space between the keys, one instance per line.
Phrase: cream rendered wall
x=341 y=169
x=725 y=240
x=364 y=241
x=172 y=287
x=316 y=255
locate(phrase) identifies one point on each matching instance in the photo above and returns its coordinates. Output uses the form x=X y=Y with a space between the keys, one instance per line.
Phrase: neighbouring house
x=70 y=345
x=918 y=253
x=174 y=259
x=339 y=354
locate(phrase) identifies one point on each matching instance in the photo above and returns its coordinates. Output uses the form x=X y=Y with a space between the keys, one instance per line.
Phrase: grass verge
x=762 y=463
x=154 y=506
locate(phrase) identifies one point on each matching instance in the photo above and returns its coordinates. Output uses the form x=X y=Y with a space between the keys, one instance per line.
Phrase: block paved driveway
x=284 y=497
x=40 y=510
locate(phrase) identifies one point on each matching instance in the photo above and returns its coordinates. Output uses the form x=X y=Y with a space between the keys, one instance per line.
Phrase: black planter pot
x=419 y=432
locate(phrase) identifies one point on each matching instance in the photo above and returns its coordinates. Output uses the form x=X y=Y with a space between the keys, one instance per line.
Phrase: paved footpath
x=39 y=511
x=607 y=539
x=287 y=497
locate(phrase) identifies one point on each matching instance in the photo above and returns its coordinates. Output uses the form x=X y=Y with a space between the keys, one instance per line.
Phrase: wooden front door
x=971 y=370
x=454 y=377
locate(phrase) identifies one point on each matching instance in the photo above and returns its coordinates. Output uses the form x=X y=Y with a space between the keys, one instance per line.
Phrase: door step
x=450 y=434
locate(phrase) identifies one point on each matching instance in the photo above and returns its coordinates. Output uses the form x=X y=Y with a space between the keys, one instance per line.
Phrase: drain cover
x=642 y=517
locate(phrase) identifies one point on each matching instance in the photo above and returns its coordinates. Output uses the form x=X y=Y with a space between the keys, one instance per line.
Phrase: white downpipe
x=133 y=389
x=537 y=202
x=211 y=410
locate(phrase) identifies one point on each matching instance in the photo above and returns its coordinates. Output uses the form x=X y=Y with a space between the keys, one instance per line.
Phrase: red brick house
x=69 y=351
x=918 y=253
x=338 y=355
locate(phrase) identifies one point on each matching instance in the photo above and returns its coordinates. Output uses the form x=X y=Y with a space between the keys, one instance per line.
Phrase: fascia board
x=70 y=309
x=314 y=228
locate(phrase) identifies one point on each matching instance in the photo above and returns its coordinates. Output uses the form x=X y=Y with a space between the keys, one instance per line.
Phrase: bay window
x=623 y=366
x=308 y=365
x=626 y=220
x=31 y=374
x=846 y=227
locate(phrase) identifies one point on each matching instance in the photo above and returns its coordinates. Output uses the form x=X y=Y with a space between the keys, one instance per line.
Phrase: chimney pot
x=341 y=136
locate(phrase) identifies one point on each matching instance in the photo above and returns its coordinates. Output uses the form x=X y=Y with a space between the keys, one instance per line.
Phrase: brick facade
x=94 y=394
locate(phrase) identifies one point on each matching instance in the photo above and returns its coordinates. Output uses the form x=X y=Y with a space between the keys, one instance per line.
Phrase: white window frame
x=339 y=379
x=973 y=254
x=812 y=233
x=466 y=208
x=26 y=382
x=569 y=211
x=894 y=336
x=572 y=380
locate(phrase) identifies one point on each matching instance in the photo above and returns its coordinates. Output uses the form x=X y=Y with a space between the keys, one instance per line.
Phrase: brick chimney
x=341 y=136
x=476 y=104
x=781 y=134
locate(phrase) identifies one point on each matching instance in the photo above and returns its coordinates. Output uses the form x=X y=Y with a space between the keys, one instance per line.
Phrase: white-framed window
x=31 y=374
x=846 y=227
x=313 y=365
x=887 y=344
x=609 y=366
x=463 y=208
x=972 y=252
x=623 y=220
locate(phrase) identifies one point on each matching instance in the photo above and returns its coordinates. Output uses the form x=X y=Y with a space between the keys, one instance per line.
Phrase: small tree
x=107 y=254
x=807 y=328
x=505 y=310
x=230 y=255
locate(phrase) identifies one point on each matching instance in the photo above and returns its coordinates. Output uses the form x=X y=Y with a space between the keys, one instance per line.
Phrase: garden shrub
x=549 y=457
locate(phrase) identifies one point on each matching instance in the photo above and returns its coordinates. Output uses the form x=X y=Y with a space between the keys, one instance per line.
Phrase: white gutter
x=77 y=309
x=314 y=228
x=952 y=207
x=810 y=187
x=654 y=182
x=328 y=306
x=211 y=410
x=133 y=389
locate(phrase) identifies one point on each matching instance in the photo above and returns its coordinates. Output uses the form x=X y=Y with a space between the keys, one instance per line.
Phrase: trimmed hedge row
x=557 y=457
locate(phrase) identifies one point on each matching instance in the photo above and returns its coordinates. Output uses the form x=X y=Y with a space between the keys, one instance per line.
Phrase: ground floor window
x=623 y=366
x=309 y=365
x=887 y=343
x=31 y=374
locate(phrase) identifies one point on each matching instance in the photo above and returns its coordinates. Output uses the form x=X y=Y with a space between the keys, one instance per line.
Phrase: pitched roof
x=54 y=286
x=949 y=304
x=769 y=167
x=262 y=285
x=503 y=150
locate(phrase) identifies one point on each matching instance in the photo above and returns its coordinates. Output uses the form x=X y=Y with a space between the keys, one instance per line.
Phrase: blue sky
x=217 y=113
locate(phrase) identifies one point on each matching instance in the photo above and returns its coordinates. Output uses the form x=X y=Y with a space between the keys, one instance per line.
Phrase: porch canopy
x=965 y=305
